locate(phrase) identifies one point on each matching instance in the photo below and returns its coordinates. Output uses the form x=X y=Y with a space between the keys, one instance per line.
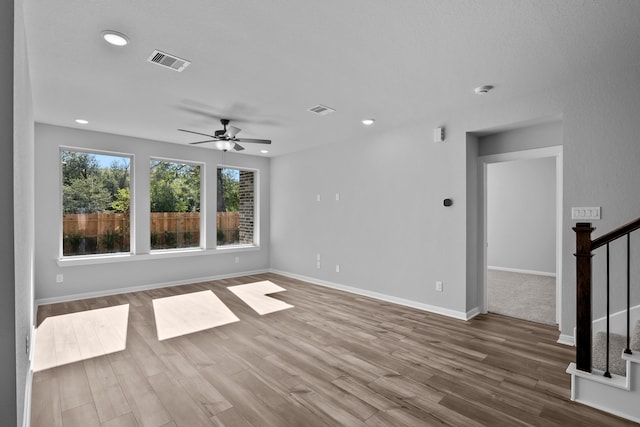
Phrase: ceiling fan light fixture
x=232 y=131
x=115 y=38
x=368 y=122
x=224 y=145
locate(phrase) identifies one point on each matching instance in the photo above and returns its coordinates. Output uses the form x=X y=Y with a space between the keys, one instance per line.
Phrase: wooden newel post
x=583 y=295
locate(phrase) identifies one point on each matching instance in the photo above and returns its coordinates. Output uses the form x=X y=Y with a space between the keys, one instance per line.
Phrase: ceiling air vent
x=321 y=110
x=169 y=61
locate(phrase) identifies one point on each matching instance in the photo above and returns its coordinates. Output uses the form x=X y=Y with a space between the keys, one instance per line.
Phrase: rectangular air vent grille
x=321 y=110
x=165 y=60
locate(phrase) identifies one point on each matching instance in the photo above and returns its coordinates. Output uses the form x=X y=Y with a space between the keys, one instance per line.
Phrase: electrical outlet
x=318 y=265
x=439 y=286
x=237 y=259
x=337 y=268
x=59 y=278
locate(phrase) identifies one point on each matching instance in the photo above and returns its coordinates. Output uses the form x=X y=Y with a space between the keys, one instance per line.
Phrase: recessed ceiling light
x=368 y=122
x=82 y=121
x=264 y=151
x=115 y=38
x=483 y=90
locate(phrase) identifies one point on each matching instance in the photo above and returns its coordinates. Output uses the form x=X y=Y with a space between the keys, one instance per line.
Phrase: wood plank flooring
x=334 y=359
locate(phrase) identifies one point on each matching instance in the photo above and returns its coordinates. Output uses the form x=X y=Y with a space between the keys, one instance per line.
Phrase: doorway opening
x=521 y=252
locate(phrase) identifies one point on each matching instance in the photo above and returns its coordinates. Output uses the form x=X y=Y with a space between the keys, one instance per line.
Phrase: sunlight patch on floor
x=188 y=313
x=79 y=336
x=255 y=296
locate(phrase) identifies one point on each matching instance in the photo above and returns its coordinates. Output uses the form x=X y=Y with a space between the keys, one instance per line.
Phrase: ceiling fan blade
x=255 y=141
x=197 y=133
x=238 y=147
x=202 y=142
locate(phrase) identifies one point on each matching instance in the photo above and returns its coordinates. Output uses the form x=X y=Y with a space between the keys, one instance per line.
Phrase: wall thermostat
x=448 y=202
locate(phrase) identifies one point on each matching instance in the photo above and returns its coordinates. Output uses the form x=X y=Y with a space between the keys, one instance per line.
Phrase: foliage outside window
x=175 y=205
x=235 y=207
x=95 y=203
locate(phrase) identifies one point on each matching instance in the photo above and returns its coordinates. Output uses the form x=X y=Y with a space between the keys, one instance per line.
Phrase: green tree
x=122 y=202
x=174 y=187
x=78 y=165
x=231 y=190
x=116 y=176
x=85 y=196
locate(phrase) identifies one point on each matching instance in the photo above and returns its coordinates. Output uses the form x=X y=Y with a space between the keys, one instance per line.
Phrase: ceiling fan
x=226 y=139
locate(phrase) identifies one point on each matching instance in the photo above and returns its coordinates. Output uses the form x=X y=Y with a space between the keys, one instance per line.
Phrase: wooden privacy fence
x=228 y=227
x=175 y=229
x=109 y=232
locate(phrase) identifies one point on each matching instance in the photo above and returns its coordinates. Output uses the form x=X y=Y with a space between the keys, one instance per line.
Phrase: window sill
x=154 y=255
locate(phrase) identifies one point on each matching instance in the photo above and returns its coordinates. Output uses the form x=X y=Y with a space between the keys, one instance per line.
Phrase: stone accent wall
x=247 y=187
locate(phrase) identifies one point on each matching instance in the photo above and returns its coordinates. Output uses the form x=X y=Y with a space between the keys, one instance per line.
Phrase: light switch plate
x=585 y=213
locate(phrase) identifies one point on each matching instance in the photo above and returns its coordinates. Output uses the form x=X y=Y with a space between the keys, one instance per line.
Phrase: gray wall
x=141 y=270
x=521 y=197
x=24 y=209
x=390 y=233
x=16 y=210
x=8 y=350
x=525 y=136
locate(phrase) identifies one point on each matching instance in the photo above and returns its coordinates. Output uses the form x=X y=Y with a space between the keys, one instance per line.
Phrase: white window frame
x=132 y=225
x=256 y=210
x=202 y=243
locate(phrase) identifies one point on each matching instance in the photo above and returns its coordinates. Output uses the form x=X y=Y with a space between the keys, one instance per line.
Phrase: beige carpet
x=524 y=296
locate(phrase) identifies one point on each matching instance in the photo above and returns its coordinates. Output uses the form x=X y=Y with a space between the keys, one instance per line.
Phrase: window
x=175 y=205
x=235 y=223
x=96 y=197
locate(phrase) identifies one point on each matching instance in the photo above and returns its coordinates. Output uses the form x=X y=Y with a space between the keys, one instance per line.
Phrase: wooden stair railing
x=584 y=252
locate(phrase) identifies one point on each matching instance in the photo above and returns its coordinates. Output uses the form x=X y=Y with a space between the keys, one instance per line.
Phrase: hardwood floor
x=334 y=359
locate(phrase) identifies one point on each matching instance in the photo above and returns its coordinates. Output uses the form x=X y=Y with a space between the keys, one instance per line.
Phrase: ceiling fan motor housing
x=222 y=132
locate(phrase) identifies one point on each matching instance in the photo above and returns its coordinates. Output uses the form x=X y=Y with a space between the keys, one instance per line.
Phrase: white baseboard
x=383 y=297
x=566 y=340
x=97 y=294
x=521 y=271
x=473 y=313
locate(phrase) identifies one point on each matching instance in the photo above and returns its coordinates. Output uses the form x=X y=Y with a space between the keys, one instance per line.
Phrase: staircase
x=618 y=395
x=606 y=374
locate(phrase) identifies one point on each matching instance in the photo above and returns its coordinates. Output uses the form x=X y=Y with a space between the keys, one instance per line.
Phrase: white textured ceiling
x=262 y=63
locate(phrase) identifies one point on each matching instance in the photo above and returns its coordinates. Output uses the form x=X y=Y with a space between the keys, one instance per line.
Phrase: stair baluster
x=627 y=350
x=606 y=370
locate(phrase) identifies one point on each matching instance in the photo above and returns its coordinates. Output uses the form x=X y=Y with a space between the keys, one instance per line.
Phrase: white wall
x=390 y=233
x=521 y=215
x=141 y=270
